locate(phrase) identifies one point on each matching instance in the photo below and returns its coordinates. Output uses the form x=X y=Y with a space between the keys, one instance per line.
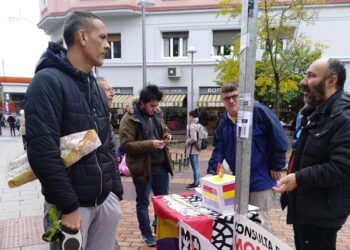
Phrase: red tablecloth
x=167 y=228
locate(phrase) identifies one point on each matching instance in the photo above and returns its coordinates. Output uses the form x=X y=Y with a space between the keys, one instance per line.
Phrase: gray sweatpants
x=99 y=224
x=265 y=200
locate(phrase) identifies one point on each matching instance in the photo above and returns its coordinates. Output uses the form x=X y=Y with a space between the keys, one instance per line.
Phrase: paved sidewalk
x=21 y=208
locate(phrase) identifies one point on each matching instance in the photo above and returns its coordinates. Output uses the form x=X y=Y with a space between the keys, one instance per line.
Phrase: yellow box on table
x=218 y=193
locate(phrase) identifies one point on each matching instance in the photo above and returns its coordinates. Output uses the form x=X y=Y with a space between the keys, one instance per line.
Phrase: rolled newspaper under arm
x=73 y=148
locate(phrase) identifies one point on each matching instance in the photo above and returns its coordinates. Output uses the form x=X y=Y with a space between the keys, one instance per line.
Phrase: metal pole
x=144 y=78
x=246 y=101
x=192 y=80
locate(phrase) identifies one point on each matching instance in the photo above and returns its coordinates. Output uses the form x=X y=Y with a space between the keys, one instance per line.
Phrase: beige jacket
x=22 y=128
x=191 y=138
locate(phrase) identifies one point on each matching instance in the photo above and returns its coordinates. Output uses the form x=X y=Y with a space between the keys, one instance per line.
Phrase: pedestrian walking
x=191 y=150
x=17 y=124
x=12 y=123
x=22 y=128
x=108 y=90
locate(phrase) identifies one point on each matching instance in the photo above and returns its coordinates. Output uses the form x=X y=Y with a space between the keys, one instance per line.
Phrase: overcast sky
x=22 y=42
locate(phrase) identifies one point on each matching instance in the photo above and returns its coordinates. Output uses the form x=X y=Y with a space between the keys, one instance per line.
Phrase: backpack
x=202 y=137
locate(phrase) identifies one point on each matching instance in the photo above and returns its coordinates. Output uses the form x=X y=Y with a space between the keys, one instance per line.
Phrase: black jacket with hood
x=62 y=100
x=322 y=166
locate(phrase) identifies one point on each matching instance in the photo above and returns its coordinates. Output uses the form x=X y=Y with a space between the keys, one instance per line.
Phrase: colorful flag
x=219 y=170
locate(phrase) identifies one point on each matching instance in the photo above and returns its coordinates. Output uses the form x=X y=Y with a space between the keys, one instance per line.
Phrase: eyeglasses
x=109 y=90
x=228 y=98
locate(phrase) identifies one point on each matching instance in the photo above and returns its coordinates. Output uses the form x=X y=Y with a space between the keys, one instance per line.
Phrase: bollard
x=180 y=163
x=172 y=160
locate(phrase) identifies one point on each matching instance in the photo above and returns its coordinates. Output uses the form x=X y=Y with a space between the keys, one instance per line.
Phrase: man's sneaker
x=191 y=186
x=148 y=240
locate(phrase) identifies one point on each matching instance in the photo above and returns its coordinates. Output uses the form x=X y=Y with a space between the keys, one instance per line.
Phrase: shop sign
x=123 y=91
x=209 y=90
x=174 y=91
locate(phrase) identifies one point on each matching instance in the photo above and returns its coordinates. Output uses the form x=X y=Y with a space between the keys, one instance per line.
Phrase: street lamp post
x=143 y=4
x=191 y=50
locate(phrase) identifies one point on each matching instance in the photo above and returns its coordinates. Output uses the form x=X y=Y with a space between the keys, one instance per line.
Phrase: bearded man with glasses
x=269 y=148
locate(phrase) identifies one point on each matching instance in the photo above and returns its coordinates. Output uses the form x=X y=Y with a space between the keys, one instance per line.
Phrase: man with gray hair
x=104 y=84
x=107 y=89
x=269 y=146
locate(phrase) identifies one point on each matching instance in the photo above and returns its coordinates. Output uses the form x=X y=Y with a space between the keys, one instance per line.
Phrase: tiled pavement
x=21 y=209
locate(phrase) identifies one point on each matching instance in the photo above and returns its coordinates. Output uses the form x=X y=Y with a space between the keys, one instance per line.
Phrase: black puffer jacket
x=322 y=167
x=62 y=100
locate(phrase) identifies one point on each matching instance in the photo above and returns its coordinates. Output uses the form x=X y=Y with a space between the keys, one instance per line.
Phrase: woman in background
x=22 y=128
x=191 y=150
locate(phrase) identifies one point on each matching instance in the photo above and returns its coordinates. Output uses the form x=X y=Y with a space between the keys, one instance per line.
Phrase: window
x=175 y=44
x=223 y=41
x=42 y=5
x=115 y=51
x=281 y=38
x=285 y=37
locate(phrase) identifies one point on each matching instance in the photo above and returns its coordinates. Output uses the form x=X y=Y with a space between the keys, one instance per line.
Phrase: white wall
x=127 y=71
x=333 y=29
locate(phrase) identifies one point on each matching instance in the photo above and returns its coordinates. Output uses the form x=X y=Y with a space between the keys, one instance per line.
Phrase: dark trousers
x=308 y=237
x=159 y=184
x=24 y=142
x=13 y=130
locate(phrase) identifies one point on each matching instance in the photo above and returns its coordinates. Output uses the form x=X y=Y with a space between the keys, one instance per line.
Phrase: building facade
x=174 y=28
x=12 y=93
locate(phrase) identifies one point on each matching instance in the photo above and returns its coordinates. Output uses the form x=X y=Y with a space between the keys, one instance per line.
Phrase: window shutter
x=113 y=37
x=183 y=34
x=225 y=37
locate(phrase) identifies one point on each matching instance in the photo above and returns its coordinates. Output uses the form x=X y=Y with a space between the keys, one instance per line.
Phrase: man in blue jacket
x=63 y=99
x=269 y=146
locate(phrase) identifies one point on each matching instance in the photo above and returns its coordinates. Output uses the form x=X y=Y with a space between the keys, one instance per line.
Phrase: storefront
x=174 y=106
x=121 y=95
x=210 y=106
x=12 y=93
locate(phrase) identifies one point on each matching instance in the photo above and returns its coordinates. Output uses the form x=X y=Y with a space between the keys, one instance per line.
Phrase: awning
x=210 y=101
x=172 y=101
x=118 y=101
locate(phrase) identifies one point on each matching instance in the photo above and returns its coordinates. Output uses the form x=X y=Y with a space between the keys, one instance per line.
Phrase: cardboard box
x=218 y=194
